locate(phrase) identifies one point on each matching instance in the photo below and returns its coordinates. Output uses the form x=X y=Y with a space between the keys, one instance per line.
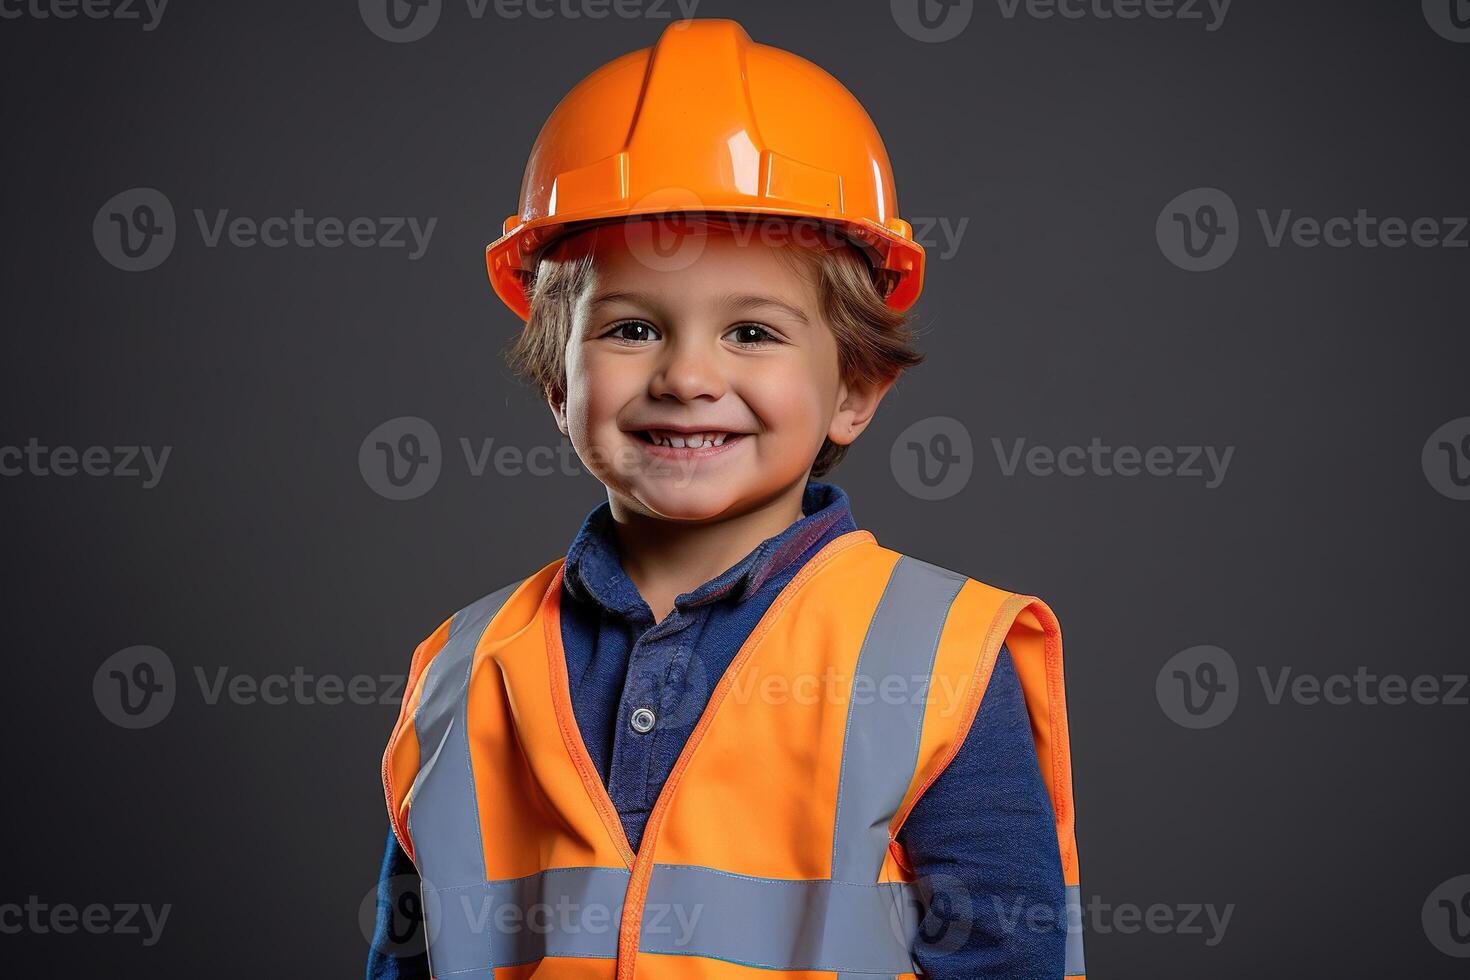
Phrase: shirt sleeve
x=983 y=844
x=397 y=950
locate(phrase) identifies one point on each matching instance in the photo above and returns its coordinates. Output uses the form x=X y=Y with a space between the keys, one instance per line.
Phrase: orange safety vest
x=772 y=845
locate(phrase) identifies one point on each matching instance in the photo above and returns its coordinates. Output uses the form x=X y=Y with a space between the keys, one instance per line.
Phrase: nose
x=690 y=369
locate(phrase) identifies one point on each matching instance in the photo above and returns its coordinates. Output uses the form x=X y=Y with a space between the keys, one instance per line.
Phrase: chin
x=684 y=499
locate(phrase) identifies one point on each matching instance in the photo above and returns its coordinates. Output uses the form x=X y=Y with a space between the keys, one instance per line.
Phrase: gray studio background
x=1044 y=153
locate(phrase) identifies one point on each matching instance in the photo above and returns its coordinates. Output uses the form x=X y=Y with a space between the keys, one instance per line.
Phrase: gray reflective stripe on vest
x=779 y=924
x=1074 y=966
x=853 y=930
x=881 y=746
x=443 y=815
x=560 y=912
x=689 y=911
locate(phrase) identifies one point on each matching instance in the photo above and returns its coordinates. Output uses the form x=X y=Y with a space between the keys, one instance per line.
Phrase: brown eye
x=751 y=333
x=632 y=330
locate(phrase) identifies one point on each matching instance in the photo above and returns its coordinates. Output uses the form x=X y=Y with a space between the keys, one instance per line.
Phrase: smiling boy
x=728 y=734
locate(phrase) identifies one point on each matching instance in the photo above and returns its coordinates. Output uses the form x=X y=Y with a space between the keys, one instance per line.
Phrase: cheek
x=595 y=392
x=794 y=395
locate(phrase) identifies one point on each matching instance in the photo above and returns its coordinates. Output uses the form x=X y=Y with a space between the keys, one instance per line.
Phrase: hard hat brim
x=511 y=258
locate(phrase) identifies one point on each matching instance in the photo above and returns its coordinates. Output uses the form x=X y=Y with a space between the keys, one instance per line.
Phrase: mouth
x=705 y=443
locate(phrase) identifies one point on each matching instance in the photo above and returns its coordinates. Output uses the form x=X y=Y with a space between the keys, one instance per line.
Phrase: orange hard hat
x=708 y=121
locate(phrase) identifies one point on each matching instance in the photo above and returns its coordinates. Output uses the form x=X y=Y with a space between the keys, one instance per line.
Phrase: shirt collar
x=594 y=569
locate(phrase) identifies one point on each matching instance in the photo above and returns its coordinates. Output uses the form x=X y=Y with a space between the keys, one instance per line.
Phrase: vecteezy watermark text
x=1362 y=686
x=136 y=687
x=1101 y=918
x=64 y=918
x=404 y=21
x=148 y=12
x=305 y=231
x=136 y=230
x=402 y=459
x=1200 y=229
x=674 y=920
x=1200 y=687
x=1208 y=463
x=34 y=459
x=674 y=240
x=411 y=912
x=838 y=687
x=936 y=21
x=300 y=686
x=1210 y=13
x=934 y=457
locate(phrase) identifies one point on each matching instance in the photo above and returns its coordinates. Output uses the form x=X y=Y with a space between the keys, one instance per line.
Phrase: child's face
x=732 y=344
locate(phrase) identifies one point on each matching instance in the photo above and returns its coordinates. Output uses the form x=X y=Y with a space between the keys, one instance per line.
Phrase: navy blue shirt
x=981 y=839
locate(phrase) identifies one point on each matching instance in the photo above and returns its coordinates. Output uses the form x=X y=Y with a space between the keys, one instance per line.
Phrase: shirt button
x=642 y=720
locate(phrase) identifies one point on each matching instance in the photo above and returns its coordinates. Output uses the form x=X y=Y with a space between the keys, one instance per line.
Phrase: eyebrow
x=739 y=302
x=638 y=299
x=751 y=301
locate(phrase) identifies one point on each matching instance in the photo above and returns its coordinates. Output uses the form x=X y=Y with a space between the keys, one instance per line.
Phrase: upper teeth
x=687 y=440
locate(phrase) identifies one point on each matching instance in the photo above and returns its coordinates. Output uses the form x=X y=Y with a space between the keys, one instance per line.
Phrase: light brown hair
x=874 y=341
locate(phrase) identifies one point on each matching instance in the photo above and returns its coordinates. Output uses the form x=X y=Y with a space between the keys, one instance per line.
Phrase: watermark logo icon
x=1446 y=917
x=399 y=905
x=1198 y=687
x=135 y=688
x=939 y=910
x=1450 y=19
x=933 y=458
x=665 y=231
x=1198 y=230
x=691 y=680
x=401 y=459
x=135 y=230
x=400 y=21
x=1446 y=459
x=932 y=21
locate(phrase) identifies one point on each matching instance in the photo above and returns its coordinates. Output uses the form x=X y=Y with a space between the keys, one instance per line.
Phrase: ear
x=558 y=410
x=857 y=403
